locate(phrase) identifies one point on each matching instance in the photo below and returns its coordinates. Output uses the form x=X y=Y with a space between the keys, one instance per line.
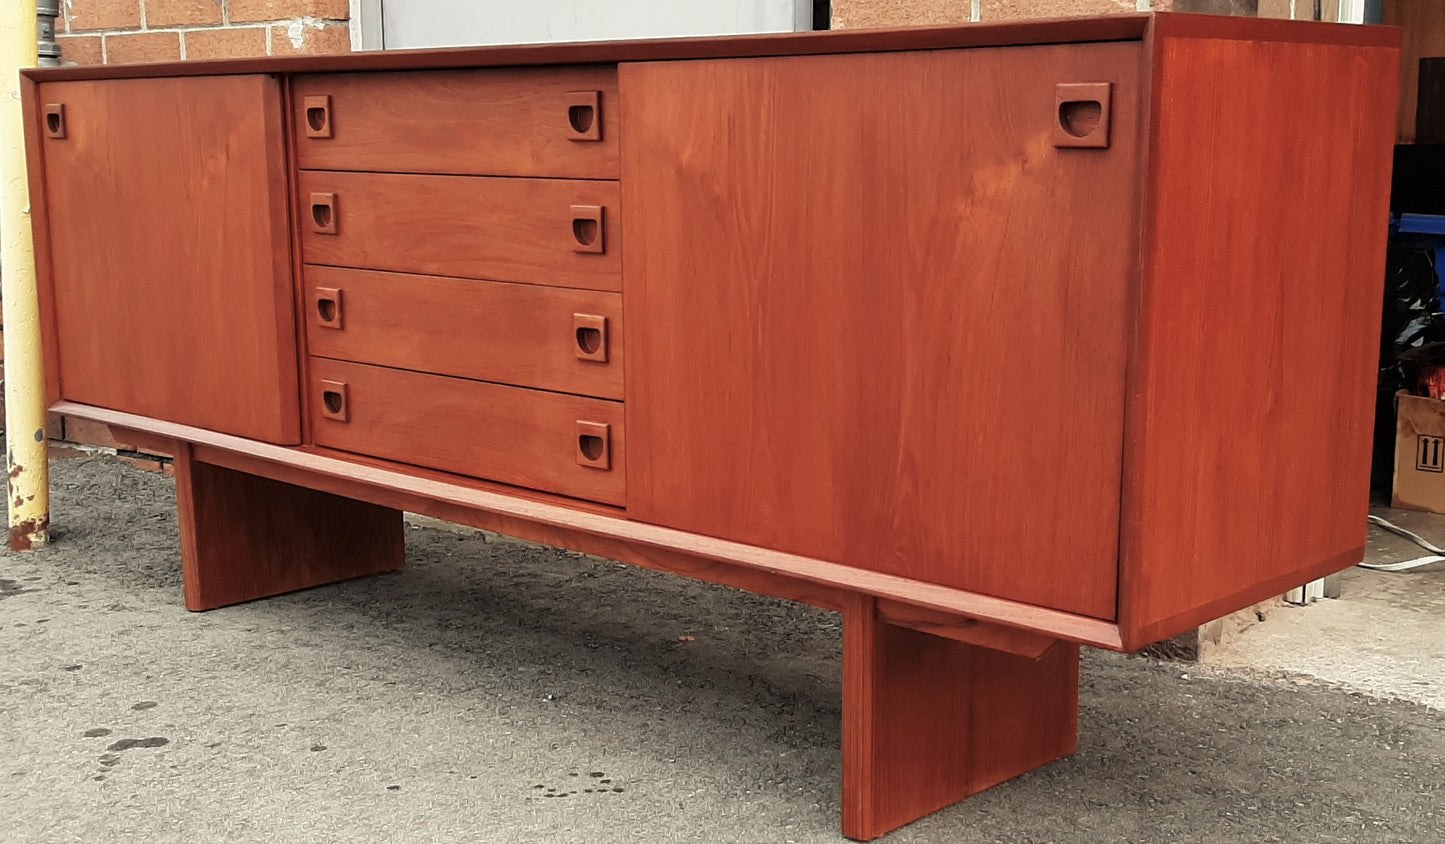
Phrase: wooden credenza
x=999 y=339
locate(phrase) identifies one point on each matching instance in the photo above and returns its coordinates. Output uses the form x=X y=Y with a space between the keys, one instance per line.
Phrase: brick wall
x=118 y=31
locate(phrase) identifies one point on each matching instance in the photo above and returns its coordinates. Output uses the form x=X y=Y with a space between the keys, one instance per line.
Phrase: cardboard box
x=1420 y=454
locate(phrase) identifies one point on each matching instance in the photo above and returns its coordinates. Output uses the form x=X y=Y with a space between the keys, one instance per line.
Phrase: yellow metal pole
x=25 y=453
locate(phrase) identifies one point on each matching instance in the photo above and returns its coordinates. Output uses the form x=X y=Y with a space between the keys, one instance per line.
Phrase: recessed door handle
x=1082 y=115
x=318 y=115
x=55 y=120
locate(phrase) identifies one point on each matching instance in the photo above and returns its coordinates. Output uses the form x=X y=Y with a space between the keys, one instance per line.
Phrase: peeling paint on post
x=29 y=534
x=28 y=474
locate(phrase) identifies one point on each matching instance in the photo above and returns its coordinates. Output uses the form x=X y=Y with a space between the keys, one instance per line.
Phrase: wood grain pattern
x=484 y=123
x=502 y=229
x=526 y=438
x=899 y=347
x=461 y=509
x=170 y=290
x=993 y=34
x=929 y=721
x=245 y=537
x=532 y=516
x=299 y=303
x=144 y=441
x=1230 y=598
x=1174 y=25
x=518 y=334
x=1253 y=373
x=972 y=631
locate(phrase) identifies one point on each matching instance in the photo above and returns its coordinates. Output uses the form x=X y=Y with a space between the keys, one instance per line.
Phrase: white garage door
x=403 y=24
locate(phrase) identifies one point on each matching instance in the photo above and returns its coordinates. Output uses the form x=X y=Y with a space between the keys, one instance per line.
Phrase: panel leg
x=928 y=721
x=245 y=537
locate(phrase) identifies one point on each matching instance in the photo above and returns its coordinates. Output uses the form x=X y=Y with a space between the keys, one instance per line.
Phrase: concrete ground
x=1385 y=635
x=501 y=692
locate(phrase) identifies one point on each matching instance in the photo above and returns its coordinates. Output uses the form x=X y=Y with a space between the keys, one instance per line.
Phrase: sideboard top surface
x=1127 y=27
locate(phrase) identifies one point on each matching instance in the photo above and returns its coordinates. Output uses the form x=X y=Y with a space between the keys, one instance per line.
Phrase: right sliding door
x=876 y=309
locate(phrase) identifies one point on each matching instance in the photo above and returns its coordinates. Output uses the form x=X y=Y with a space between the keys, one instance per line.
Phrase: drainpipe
x=46 y=11
x=25 y=453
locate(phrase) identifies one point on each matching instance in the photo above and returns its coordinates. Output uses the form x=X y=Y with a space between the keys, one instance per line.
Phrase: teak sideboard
x=1000 y=339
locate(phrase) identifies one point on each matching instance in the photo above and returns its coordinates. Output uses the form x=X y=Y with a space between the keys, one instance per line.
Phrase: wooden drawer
x=545 y=337
x=543 y=122
x=547 y=441
x=562 y=232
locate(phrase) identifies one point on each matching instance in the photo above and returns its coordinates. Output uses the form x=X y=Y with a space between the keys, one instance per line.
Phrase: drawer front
x=552 y=442
x=563 y=233
x=544 y=122
x=545 y=337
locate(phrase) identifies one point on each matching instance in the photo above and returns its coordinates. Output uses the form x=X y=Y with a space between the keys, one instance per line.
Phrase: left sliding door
x=169 y=282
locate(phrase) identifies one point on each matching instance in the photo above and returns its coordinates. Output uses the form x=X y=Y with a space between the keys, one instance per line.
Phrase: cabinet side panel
x=40 y=234
x=170 y=254
x=877 y=317
x=1252 y=392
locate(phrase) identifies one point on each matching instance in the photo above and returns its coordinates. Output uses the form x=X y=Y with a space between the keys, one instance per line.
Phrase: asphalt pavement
x=496 y=691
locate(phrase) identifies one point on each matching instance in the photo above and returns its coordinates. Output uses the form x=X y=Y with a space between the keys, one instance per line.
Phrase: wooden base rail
x=935 y=707
x=933 y=609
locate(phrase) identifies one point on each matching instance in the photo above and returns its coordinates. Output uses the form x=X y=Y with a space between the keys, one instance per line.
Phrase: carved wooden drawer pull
x=326 y=306
x=588 y=229
x=323 y=213
x=335 y=404
x=318 y=115
x=590 y=333
x=594 y=445
x=584 y=115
